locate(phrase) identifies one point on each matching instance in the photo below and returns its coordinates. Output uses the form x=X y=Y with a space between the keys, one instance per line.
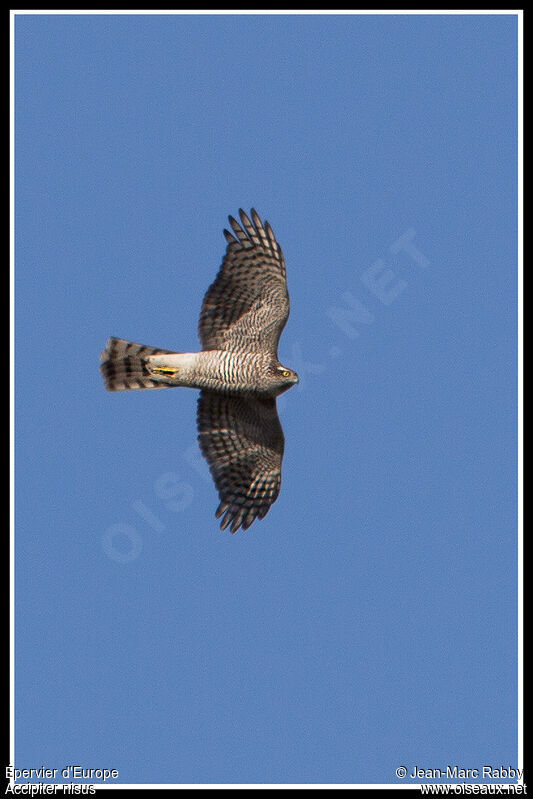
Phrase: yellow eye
x=285 y=373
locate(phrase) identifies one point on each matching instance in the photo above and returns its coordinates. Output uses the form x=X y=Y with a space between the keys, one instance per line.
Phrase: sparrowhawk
x=238 y=372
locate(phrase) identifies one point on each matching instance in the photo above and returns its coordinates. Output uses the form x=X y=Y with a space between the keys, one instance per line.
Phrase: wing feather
x=242 y=440
x=247 y=306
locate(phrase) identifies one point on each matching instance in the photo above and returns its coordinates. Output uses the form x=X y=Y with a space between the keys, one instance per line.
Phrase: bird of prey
x=237 y=371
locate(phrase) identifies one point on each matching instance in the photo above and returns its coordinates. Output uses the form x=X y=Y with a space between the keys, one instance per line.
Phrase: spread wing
x=242 y=440
x=247 y=306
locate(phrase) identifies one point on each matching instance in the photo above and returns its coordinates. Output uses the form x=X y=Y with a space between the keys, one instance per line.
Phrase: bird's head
x=285 y=378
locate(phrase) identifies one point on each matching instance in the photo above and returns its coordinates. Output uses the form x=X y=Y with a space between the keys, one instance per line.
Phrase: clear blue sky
x=369 y=621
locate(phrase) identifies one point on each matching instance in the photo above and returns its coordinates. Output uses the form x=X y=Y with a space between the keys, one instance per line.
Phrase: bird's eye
x=285 y=373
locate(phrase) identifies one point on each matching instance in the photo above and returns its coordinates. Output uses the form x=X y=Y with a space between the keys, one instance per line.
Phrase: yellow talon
x=165 y=370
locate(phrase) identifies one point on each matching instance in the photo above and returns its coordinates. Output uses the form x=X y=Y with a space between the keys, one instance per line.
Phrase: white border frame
x=519 y=14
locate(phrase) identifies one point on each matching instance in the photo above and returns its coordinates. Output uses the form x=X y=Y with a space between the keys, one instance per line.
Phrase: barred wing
x=242 y=440
x=247 y=306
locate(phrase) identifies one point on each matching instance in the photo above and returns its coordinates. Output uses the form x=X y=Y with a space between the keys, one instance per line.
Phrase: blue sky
x=369 y=621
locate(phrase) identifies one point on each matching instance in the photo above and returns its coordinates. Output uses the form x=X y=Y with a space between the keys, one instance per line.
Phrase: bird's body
x=237 y=371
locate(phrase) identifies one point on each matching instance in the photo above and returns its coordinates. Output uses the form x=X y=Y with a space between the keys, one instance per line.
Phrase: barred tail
x=124 y=365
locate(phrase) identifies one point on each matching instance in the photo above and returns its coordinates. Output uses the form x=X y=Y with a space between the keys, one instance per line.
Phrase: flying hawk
x=238 y=372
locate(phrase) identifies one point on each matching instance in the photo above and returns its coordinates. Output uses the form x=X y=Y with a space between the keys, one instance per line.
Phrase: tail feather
x=124 y=365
